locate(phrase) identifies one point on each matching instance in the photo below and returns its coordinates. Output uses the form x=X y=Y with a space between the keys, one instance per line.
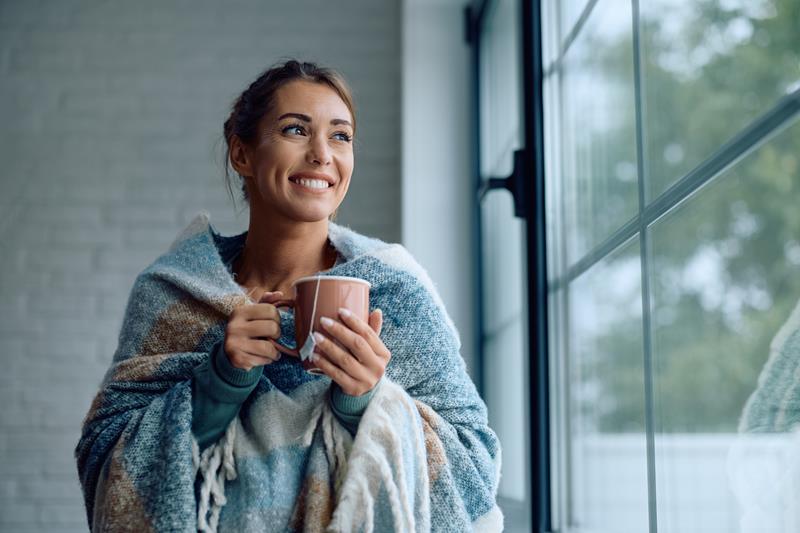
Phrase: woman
x=200 y=424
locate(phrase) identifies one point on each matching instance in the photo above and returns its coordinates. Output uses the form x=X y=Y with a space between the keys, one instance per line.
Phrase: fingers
x=345 y=381
x=358 y=336
x=249 y=353
x=269 y=297
x=255 y=328
x=342 y=358
x=248 y=331
x=341 y=366
x=261 y=348
x=254 y=347
x=376 y=321
x=260 y=311
x=352 y=353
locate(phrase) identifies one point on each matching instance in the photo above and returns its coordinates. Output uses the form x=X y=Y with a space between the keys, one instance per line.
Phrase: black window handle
x=514 y=183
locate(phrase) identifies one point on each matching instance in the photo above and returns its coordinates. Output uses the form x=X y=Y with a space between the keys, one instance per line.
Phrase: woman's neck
x=275 y=255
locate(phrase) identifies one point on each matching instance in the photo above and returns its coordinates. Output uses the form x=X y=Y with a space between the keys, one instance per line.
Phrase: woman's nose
x=318 y=151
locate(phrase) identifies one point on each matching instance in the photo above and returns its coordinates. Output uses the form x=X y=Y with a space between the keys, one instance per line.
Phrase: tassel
x=216 y=465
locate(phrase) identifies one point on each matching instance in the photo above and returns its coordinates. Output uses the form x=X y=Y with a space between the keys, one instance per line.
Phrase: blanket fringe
x=337 y=442
x=379 y=463
x=215 y=465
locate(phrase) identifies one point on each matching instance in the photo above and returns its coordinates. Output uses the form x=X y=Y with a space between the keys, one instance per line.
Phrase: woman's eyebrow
x=306 y=118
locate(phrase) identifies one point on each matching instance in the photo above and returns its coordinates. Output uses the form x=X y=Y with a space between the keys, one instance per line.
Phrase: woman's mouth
x=311 y=185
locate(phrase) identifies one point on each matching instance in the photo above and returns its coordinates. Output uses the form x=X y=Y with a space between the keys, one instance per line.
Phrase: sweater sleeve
x=349 y=409
x=218 y=391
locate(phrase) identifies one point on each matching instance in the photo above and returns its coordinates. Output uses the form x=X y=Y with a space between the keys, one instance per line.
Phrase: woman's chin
x=313 y=216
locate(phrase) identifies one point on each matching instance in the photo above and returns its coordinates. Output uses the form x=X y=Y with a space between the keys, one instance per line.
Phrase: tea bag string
x=314 y=309
x=307 y=351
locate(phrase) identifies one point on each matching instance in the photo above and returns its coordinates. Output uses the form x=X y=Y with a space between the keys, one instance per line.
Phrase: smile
x=311 y=185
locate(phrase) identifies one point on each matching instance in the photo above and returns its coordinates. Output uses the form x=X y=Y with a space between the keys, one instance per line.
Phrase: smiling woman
x=201 y=425
x=258 y=110
x=286 y=136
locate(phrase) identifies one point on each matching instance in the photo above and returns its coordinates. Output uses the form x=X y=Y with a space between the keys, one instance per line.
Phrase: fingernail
x=344 y=312
x=326 y=321
x=319 y=337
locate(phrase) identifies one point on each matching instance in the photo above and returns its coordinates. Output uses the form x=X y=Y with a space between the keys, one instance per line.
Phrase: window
x=671 y=209
x=504 y=367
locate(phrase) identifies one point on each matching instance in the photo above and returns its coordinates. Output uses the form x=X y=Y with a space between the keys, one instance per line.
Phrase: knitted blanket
x=423 y=458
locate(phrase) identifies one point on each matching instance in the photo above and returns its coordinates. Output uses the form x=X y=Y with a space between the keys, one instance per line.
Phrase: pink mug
x=315 y=297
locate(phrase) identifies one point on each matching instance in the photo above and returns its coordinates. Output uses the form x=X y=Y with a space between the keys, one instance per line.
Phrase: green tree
x=701 y=86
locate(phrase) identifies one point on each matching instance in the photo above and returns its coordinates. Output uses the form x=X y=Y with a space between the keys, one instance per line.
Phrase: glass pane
x=607 y=441
x=550 y=42
x=709 y=69
x=726 y=279
x=505 y=353
x=552 y=175
x=570 y=12
x=559 y=415
x=504 y=330
x=501 y=112
x=599 y=143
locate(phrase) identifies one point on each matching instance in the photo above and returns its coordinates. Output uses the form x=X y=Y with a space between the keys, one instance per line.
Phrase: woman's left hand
x=358 y=358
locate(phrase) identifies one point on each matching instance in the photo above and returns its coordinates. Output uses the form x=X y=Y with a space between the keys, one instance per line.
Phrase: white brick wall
x=110 y=141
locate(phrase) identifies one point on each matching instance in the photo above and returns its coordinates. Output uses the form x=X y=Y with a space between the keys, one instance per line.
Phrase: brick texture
x=111 y=140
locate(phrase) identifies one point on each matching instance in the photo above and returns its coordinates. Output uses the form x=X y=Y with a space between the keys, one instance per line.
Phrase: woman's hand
x=248 y=328
x=357 y=359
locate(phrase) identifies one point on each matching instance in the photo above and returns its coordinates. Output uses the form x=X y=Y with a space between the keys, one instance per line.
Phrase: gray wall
x=111 y=141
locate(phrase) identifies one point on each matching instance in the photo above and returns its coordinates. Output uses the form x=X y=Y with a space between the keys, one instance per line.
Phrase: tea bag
x=307 y=351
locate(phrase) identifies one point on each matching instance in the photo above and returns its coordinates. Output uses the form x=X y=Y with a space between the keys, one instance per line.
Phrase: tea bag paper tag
x=307 y=351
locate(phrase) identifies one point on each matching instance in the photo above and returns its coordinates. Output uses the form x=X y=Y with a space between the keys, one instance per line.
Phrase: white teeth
x=313 y=184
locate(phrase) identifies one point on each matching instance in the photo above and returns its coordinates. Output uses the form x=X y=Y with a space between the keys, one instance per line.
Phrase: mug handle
x=287 y=302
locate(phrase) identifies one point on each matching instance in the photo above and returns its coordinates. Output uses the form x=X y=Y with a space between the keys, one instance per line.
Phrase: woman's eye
x=343 y=136
x=293 y=127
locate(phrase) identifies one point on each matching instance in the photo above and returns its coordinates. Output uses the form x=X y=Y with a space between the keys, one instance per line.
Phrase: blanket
x=423 y=458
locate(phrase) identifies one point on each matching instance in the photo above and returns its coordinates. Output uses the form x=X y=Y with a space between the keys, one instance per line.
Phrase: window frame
x=548 y=451
x=529 y=194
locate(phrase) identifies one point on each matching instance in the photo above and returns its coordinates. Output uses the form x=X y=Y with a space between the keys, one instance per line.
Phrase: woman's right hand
x=248 y=328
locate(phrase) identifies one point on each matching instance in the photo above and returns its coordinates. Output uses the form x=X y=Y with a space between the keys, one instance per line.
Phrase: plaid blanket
x=423 y=459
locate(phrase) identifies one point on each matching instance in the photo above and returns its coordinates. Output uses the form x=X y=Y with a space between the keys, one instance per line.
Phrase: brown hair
x=257 y=100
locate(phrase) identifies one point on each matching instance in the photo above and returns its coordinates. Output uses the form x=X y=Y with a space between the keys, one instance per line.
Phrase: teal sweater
x=219 y=389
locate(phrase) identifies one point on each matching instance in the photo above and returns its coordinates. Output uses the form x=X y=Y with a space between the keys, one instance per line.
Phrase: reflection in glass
x=598 y=131
x=725 y=278
x=608 y=457
x=709 y=69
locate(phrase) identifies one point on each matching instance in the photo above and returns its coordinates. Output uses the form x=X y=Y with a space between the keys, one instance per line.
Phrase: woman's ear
x=240 y=158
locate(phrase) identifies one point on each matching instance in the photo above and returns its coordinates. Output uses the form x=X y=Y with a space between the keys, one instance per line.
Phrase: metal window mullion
x=568 y=513
x=644 y=251
x=538 y=383
x=474 y=15
x=576 y=28
x=745 y=142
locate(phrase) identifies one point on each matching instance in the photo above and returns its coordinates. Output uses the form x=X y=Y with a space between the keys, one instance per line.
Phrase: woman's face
x=307 y=135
